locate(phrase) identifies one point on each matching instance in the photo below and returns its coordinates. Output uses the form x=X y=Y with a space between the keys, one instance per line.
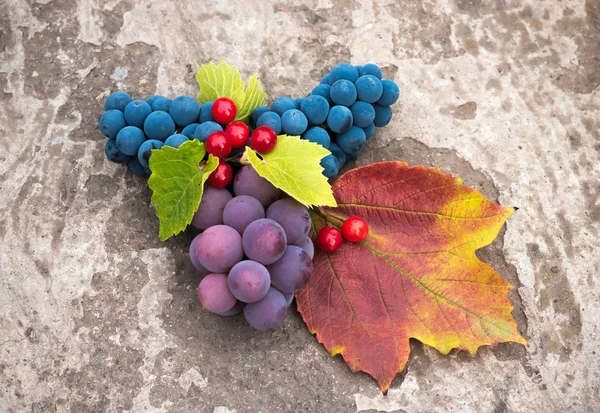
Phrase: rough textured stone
x=96 y=315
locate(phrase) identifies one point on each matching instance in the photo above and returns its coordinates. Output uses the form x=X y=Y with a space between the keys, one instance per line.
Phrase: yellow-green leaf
x=294 y=167
x=218 y=81
x=255 y=97
x=177 y=183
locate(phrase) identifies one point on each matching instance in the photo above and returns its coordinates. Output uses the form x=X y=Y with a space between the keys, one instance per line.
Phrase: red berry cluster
x=354 y=229
x=235 y=136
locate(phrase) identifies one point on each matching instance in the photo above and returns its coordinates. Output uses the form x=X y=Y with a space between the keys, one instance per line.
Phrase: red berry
x=329 y=239
x=223 y=110
x=355 y=229
x=264 y=139
x=218 y=144
x=239 y=134
x=221 y=176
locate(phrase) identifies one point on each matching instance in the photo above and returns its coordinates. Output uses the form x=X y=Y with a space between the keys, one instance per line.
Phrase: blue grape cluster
x=254 y=250
x=340 y=114
x=135 y=127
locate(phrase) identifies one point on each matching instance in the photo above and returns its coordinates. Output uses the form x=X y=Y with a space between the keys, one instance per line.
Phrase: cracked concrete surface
x=96 y=315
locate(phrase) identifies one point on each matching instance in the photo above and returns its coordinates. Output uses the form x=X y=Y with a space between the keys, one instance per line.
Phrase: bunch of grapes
x=340 y=114
x=135 y=127
x=255 y=248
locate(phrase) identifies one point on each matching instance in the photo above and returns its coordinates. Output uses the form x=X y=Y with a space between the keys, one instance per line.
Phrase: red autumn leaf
x=415 y=275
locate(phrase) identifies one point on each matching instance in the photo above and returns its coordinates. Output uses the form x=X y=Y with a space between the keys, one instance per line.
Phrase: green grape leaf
x=294 y=166
x=224 y=80
x=177 y=183
x=218 y=81
x=255 y=97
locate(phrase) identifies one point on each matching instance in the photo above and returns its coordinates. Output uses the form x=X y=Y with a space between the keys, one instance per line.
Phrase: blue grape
x=159 y=125
x=113 y=153
x=146 y=150
x=206 y=129
x=147 y=170
x=325 y=80
x=391 y=93
x=339 y=119
x=235 y=310
x=129 y=139
x=357 y=67
x=153 y=99
x=363 y=113
x=293 y=218
x=330 y=165
x=175 y=141
x=307 y=245
x=338 y=153
x=189 y=130
x=283 y=104
x=267 y=313
x=343 y=92
x=292 y=271
x=370 y=69
x=369 y=130
x=248 y=182
x=111 y=122
x=136 y=113
x=136 y=167
x=206 y=113
x=343 y=71
x=210 y=210
x=249 y=281
x=264 y=241
x=219 y=248
x=383 y=115
x=318 y=135
x=298 y=102
x=322 y=90
x=270 y=119
x=256 y=114
x=316 y=109
x=184 y=110
x=193 y=257
x=352 y=141
x=117 y=100
x=161 y=104
x=369 y=88
x=241 y=211
x=294 y=122
x=214 y=294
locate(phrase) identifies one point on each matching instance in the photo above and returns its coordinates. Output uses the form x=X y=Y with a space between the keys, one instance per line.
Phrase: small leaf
x=177 y=183
x=416 y=274
x=294 y=167
x=255 y=97
x=218 y=81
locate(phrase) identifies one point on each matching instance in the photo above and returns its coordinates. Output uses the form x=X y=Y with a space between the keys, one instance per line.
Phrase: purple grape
x=193 y=257
x=214 y=294
x=307 y=245
x=292 y=271
x=289 y=297
x=292 y=216
x=235 y=310
x=248 y=182
x=264 y=241
x=267 y=313
x=210 y=210
x=249 y=281
x=241 y=211
x=219 y=248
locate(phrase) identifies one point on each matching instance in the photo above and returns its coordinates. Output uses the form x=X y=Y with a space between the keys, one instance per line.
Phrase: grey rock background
x=96 y=315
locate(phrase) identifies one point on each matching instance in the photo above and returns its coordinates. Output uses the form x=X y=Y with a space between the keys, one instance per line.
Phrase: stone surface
x=96 y=315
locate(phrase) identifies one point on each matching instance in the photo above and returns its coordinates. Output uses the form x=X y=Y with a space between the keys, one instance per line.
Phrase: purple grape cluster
x=254 y=249
x=340 y=114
